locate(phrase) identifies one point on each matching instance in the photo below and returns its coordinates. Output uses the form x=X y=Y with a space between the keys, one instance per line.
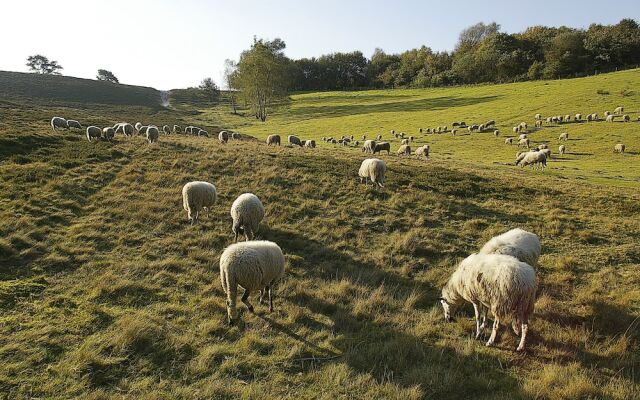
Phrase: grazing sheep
x=473 y=128
x=550 y=120
x=564 y=136
x=108 y=133
x=274 y=140
x=373 y=169
x=404 y=150
x=294 y=140
x=546 y=152
x=419 y=130
x=538 y=117
x=310 y=144
x=611 y=118
x=356 y=144
x=454 y=132
x=256 y=266
x=124 y=128
x=404 y=141
x=247 y=212
x=428 y=130
x=139 y=125
x=166 y=130
x=204 y=133
x=496 y=282
x=381 y=147
x=522 y=136
x=223 y=137
x=423 y=151
x=379 y=137
x=508 y=141
x=625 y=118
x=518 y=243
x=535 y=159
x=607 y=113
x=364 y=137
x=567 y=118
x=619 y=148
x=177 y=129
x=481 y=128
x=93 y=132
x=538 y=123
x=516 y=129
x=618 y=110
x=489 y=123
x=59 y=122
x=333 y=141
x=561 y=149
x=402 y=135
x=143 y=130
x=393 y=132
x=496 y=133
x=72 y=123
x=351 y=137
x=236 y=136
x=368 y=146
x=523 y=143
x=153 y=133
x=198 y=196
x=543 y=146
x=578 y=117
x=410 y=138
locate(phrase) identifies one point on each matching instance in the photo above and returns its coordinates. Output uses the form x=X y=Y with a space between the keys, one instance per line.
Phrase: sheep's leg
x=494 y=331
x=477 y=314
x=232 y=296
x=270 y=298
x=245 y=300
x=523 y=336
x=515 y=327
x=235 y=237
x=263 y=293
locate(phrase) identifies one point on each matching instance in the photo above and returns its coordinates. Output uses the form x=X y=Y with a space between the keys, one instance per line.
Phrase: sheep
x=139 y=125
x=59 y=122
x=196 y=131
x=567 y=118
x=454 y=132
x=177 y=129
x=496 y=133
x=373 y=169
x=626 y=118
x=364 y=137
x=546 y=152
x=124 y=128
x=419 y=130
x=223 y=137
x=423 y=151
x=496 y=282
x=410 y=139
x=428 y=130
x=166 y=130
x=392 y=132
x=381 y=147
x=404 y=141
x=402 y=135
x=564 y=136
x=470 y=129
x=481 y=128
x=618 y=110
x=204 y=133
x=538 y=123
x=351 y=137
x=607 y=113
x=538 y=117
x=196 y=196
x=550 y=120
x=143 y=130
x=508 y=141
x=611 y=118
x=473 y=128
x=247 y=212
x=518 y=243
x=379 y=137
x=236 y=136
x=578 y=117
x=356 y=144
x=72 y=123
x=522 y=136
x=292 y=139
x=404 y=150
x=543 y=146
x=153 y=133
x=561 y=149
x=516 y=129
x=619 y=148
x=532 y=158
x=255 y=265
x=489 y=123
x=523 y=143
x=333 y=141
x=108 y=133
x=310 y=144
x=346 y=140
x=523 y=126
x=368 y=146
x=274 y=140
x=93 y=132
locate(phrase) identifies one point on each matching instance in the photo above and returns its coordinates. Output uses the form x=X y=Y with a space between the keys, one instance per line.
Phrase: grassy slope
x=106 y=290
x=590 y=147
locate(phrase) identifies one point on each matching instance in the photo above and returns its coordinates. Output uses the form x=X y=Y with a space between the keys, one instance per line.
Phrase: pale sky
x=173 y=44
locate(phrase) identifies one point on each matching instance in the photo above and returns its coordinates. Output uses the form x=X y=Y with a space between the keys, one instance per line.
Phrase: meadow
x=106 y=291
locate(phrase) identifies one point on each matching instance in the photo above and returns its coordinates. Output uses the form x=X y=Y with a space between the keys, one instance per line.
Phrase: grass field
x=106 y=291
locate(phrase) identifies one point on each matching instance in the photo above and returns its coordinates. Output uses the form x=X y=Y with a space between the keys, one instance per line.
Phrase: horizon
x=191 y=52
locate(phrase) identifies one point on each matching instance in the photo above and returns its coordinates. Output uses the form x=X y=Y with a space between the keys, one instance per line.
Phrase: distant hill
x=66 y=89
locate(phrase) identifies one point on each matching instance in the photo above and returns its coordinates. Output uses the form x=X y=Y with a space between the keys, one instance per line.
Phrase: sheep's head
x=448 y=303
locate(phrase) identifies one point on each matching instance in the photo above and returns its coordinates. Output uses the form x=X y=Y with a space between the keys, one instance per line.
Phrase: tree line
x=483 y=54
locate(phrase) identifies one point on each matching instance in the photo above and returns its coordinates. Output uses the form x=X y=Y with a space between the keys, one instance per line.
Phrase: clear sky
x=171 y=44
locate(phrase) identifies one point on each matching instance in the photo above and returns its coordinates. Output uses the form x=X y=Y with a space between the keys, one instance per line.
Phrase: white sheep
x=404 y=150
x=273 y=140
x=562 y=149
x=236 y=136
x=368 y=146
x=198 y=196
x=382 y=146
x=538 y=117
x=292 y=139
x=138 y=126
x=310 y=144
x=567 y=118
x=518 y=243
x=423 y=151
x=108 y=133
x=564 y=136
x=379 y=137
x=93 y=132
x=404 y=142
x=607 y=113
x=496 y=133
x=543 y=146
x=578 y=117
x=546 y=152
x=626 y=118
x=153 y=133
x=508 y=141
x=618 y=110
x=177 y=129
x=124 y=128
x=619 y=148
x=372 y=169
x=523 y=143
x=223 y=137
x=204 y=133
x=247 y=213
x=255 y=265
x=535 y=159
x=166 y=129
x=611 y=118
x=59 y=122
x=72 y=123
x=499 y=283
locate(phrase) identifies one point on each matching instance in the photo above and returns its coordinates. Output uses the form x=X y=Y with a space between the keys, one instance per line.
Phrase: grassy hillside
x=590 y=146
x=65 y=89
x=106 y=291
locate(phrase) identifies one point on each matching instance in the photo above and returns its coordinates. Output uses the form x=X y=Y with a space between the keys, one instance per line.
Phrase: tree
x=262 y=75
x=210 y=89
x=229 y=76
x=475 y=34
x=42 y=65
x=108 y=76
